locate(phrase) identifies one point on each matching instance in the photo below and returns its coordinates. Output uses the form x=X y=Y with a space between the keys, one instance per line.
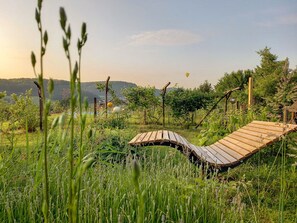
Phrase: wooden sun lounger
x=227 y=152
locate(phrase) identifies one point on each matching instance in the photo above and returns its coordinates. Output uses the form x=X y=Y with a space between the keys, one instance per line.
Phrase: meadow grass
x=170 y=187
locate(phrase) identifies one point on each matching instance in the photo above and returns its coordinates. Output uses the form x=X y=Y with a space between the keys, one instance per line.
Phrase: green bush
x=23 y=111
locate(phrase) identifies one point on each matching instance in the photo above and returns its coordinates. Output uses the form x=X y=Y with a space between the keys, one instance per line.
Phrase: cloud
x=165 y=37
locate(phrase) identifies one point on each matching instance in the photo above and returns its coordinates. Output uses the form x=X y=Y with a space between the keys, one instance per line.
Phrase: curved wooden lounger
x=227 y=152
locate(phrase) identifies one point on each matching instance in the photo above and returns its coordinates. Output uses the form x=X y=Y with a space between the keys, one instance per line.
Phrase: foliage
x=114 y=121
x=267 y=76
x=184 y=101
x=234 y=80
x=57 y=107
x=4 y=108
x=142 y=98
x=205 y=87
x=24 y=111
x=114 y=98
x=286 y=90
x=113 y=147
x=2 y=94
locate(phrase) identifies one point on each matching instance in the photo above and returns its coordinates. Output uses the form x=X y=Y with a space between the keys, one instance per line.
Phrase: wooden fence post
x=250 y=98
x=163 y=101
x=106 y=92
x=285 y=115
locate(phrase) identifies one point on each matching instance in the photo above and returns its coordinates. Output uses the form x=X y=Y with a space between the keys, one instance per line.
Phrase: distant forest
x=89 y=89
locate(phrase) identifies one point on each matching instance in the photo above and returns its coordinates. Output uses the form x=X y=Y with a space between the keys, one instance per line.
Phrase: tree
x=2 y=94
x=4 y=108
x=286 y=89
x=267 y=76
x=233 y=80
x=141 y=98
x=183 y=102
x=205 y=87
x=24 y=111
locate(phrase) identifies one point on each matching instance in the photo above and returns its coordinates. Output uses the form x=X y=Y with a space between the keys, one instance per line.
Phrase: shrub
x=23 y=111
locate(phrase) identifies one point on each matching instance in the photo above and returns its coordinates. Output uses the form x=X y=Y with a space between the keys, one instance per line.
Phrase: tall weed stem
x=43 y=43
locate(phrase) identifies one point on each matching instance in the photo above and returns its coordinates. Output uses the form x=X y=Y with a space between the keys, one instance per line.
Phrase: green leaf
x=83 y=30
x=65 y=44
x=68 y=32
x=39 y=4
x=63 y=18
x=75 y=70
x=45 y=38
x=37 y=16
x=78 y=44
x=55 y=122
x=90 y=133
x=33 y=59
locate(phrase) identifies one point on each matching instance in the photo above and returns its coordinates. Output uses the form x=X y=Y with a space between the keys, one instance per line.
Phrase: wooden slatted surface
x=228 y=151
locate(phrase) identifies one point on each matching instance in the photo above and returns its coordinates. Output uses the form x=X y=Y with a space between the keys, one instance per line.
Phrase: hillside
x=20 y=85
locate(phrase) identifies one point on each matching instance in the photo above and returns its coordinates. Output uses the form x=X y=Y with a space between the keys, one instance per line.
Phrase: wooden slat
x=208 y=156
x=146 y=138
x=257 y=139
x=199 y=152
x=165 y=135
x=178 y=139
x=223 y=153
x=286 y=126
x=171 y=136
x=140 y=139
x=269 y=128
x=256 y=134
x=231 y=152
x=159 y=135
x=216 y=156
x=240 y=144
x=234 y=147
x=245 y=140
x=263 y=131
x=135 y=138
x=183 y=140
x=153 y=136
x=267 y=123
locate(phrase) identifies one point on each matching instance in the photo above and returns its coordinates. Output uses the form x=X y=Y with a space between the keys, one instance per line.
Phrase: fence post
x=106 y=92
x=163 y=101
x=250 y=99
x=285 y=115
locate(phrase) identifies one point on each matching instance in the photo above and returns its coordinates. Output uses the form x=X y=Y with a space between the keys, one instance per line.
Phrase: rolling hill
x=61 y=91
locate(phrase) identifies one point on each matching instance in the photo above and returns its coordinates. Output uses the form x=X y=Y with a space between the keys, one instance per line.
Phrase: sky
x=149 y=42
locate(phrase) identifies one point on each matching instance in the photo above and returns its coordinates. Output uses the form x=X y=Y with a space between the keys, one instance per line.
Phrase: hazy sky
x=150 y=42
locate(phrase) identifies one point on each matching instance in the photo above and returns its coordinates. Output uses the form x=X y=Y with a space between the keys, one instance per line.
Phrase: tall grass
x=43 y=44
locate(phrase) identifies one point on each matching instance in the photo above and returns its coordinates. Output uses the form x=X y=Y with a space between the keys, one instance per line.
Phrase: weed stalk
x=43 y=43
